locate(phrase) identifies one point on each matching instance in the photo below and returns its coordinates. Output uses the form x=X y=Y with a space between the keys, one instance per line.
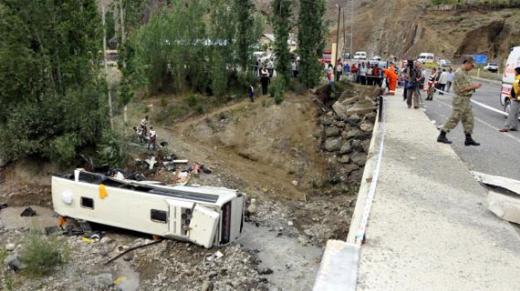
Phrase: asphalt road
x=499 y=153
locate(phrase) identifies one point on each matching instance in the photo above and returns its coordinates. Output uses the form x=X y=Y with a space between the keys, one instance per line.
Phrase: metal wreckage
x=206 y=216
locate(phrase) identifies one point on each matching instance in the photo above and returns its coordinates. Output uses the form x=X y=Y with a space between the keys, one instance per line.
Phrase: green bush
x=62 y=149
x=192 y=100
x=41 y=255
x=111 y=150
x=277 y=90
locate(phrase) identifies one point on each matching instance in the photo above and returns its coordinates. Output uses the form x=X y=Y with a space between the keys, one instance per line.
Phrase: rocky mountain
x=405 y=28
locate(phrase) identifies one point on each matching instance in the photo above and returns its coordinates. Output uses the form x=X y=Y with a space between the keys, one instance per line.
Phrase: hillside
x=408 y=27
x=405 y=28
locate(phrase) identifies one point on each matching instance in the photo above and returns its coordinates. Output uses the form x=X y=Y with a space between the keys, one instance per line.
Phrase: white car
x=444 y=63
x=426 y=58
x=360 y=56
x=376 y=58
x=492 y=67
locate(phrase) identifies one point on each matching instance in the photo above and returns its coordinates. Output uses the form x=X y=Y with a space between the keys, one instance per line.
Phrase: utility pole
x=122 y=22
x=344 y=37
x=337 y=35
x=123 y=40
x=351 y=25
x=106 y=66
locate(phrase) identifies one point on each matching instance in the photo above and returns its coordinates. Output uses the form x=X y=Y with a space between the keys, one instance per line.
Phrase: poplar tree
x=52 y=95
x=281 y=25
x=311 y=40
x=244 y=32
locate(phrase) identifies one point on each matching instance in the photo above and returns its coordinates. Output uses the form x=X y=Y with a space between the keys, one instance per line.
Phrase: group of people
x=440 y=80
x=265 y=72
x=146 y=134
x=365 y=73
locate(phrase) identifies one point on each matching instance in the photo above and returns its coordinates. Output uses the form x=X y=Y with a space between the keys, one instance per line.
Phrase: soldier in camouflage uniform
x=462 y=111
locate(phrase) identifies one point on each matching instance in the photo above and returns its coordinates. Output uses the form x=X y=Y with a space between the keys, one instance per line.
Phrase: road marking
x=479 y=104
x=482 y=121
x=488 y=107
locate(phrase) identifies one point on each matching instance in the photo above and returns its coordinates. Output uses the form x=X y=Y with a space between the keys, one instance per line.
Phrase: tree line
x=53 y=90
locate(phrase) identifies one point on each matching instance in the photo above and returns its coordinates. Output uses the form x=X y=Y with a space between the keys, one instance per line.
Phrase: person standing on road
x=413 y=77
x=391 y=77
x=443 y=80
x=339 y=70
x=431 y=85
x=354 y=71
x=346 y=69
x=514 y=109
x=363 y=74
x=451 y=75
x=464 y=89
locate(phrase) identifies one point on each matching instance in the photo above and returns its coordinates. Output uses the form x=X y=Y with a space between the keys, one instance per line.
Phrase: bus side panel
x=119 y=208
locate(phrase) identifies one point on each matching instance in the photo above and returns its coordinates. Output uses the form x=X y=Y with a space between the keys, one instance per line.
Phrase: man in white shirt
x=443 y=80
x=451 y=76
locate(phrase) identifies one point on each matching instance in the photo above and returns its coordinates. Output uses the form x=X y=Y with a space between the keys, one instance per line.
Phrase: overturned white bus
x=207 y=216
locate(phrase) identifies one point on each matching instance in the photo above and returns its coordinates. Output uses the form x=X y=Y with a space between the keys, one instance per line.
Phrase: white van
x=513 y=61
x=426 y=58
x=362 y=56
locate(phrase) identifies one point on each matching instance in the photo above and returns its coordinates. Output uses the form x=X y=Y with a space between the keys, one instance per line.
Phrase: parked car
x=426 y=58
x=360 y=56
x=376 y=58
x=444 y=63
x=513 y=61
x=492 y=67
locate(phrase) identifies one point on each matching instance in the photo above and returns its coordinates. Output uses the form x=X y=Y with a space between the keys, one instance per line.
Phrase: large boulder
x=340 y=110
x=357 y=144
x=354 y=133
x=344 y=159
x=333 y=144
x=346 y=148
x=366 y=126
x=332 y=131
x=359 y=159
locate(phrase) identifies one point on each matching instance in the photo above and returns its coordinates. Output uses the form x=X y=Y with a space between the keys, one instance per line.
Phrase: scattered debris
x=498 y=181
x=151 y=162
x=215 y=256
x=131 y=249
x=504 y=206
x=266 y=271
x=28 y=212
x=10 y=247
x=13 y=262
x=103 y=281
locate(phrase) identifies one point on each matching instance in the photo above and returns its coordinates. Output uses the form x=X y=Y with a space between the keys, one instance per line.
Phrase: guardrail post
x=380 y=108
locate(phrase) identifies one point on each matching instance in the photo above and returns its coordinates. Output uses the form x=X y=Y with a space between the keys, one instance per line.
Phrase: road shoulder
x=429 y=227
